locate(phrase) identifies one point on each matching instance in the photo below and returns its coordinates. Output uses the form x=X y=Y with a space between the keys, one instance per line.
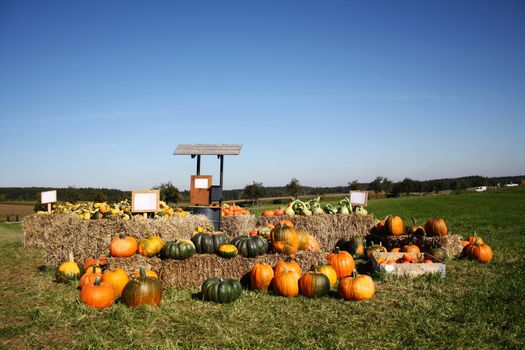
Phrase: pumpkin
x=475 y=239
x=142 y=291
x=410 y=258
x=395 y=250
x=228 y=251
x=221 y=290
x=436 y=227
x=314 y=284
x=414 y=229
x=267 y=213
x=284 y=240
x=355 y=246
x=261 y=276
x=411 y=249
x=264 y=232
x=375 y=248
x=286 y=284
x=151 y=246
x=438 y=253
x=209 y=243
x=303 y=238
x=329 y=272
x=97 y=295
x=180 y=249
x=381 y=226
x=149 y=273
x=479 y=252
x=91 y=274
x=465 y=243
x=288 y=223
x=69 y=270
x=250 y=246
x=123 y=246
x=117 y=278
x=288 y=265
x=356 y=287
x=313 y=244
x=102 y=261
x=342 y=262
x=394 y=225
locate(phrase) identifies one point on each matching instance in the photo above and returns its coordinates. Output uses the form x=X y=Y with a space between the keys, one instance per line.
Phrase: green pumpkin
x=180 y=250
x=207 y=243
x=375 y=248
x=438 y=253
x=221 y=290
x=69 y=271
x=250 y=246
x=227 y=251
x=142 y=291
x=355 y=246
x=314 y=285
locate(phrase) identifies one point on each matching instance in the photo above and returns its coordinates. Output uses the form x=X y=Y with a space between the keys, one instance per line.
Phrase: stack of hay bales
x=238 y=225
x=450 y=243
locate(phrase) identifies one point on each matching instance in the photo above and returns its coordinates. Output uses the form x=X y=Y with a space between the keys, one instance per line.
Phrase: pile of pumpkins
x=100 y=287
x=476 y=249
x=233 y=209
x=393 y=225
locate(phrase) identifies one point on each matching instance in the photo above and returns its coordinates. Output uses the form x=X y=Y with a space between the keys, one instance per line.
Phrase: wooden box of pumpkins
x=407 y=264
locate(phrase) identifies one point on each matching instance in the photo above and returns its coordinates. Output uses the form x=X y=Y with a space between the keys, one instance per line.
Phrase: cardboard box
x=413 y=269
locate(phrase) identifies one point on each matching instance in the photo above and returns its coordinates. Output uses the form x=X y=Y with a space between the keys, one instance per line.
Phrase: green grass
x=476 y=306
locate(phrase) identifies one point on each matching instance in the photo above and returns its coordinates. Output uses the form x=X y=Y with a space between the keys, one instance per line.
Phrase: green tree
x=355 y=186
x=169 y=193
x=293 y=188
x=254 y=192
x=376 y=185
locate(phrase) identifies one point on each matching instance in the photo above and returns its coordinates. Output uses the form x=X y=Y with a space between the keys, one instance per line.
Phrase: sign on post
x=145 y=201
x=48 y=197
x=359 y=198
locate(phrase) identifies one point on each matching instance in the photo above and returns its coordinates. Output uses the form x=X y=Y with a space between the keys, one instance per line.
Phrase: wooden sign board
x=145 y=201
x=200 y=189
x=359 y=198
x=48 y=197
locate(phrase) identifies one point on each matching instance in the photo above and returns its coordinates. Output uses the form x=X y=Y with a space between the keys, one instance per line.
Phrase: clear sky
x=99 y=93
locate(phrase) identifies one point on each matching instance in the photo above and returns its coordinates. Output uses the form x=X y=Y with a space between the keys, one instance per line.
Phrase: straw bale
x=238 y=225
x=192 y=272
x=450 y=243
x=59 y=234
x=327 y=228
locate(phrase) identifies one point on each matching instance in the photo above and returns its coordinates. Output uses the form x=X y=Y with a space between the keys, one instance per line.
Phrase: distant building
x=522 y=182
x=511 y=185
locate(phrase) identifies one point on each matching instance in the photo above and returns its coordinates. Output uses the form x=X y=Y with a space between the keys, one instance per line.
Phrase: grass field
x=479 y=306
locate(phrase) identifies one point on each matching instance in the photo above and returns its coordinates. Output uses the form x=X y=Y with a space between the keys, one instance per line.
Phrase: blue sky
x=99 y=93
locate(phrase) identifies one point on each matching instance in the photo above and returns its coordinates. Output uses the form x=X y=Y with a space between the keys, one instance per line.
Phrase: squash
x=149 y=273
x=395 y=250
x=264 y=232
x=123 y=246
x=97 y=295
x=394 y=225
x=221 y=290
x=314 y=284
x=142 y=291
x=209 y=243
x=286 y=284
x=375 y=248
x=102 y=261
x=117 y=278
x=313 y=244
x=261 y=276
x=303 y=238
x=381 y=226
x=438 y=253
x=227 y=251
x=356 y=287
x=411 y=249
x=355 y=246
x=288 y=265
x=329 y=272
x=284 y=240
x=284 y=222
x=342 y=262
x=436 y=227
x=69 y=270
x=250 y=246
x=480 y=252
x=151 y=246
x=179 y=249
x=90 y=275
x=414 y=229
x=475 y=239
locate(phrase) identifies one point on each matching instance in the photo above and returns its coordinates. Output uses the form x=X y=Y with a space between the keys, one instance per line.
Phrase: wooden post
x=49 y=208
x=198 y=164
x=220 y=196
x=145 y=215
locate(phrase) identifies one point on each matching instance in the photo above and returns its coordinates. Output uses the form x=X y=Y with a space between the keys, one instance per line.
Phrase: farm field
x=475 y=306
x=21 y=209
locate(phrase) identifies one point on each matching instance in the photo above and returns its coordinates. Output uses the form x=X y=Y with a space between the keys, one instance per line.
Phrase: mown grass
x=475 y=306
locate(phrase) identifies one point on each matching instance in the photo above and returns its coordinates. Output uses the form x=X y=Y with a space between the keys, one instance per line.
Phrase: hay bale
x=326 y=228
x=59 y=234
x=238 y=225
x=450 y=243
x=192 y=272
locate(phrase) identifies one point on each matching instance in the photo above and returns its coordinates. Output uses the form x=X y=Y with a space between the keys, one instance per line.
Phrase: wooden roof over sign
x=207 y=149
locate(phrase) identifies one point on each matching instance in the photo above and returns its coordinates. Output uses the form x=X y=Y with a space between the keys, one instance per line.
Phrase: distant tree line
x=257 y=190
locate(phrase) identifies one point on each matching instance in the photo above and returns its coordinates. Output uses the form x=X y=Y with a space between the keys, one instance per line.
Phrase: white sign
x=48 y=197
x=359 y=198
x=201 y=183
x=145 y=201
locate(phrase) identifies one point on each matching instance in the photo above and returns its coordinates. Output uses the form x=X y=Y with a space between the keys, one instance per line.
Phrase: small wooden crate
x=411 y=270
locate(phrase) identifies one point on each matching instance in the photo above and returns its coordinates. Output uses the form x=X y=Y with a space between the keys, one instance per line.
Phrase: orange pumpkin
x=479 y=252
x=395 y=250
x=288 y=223
x=286 y=283
x=91 y=274
x=261 y=276
x=436 y=227
x=380 y=227
x=117 y=278
x=303 y=238
x=101 y=261
x=267 y=213
x=313 y=244
x=329 y=272
x=342 y=262
x=475 y=239
x=97 y=295
x=394 y=225
x=409 y=258
x=284 y=240
x=356 y=287
x=288 y=265
x=123 y=246
x=411 y=249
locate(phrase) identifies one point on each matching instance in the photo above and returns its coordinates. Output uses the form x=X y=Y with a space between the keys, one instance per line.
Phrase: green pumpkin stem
x=413 y=221
x=121 y=236
x=142 y=272
x=354 y=273
x=97 y=281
